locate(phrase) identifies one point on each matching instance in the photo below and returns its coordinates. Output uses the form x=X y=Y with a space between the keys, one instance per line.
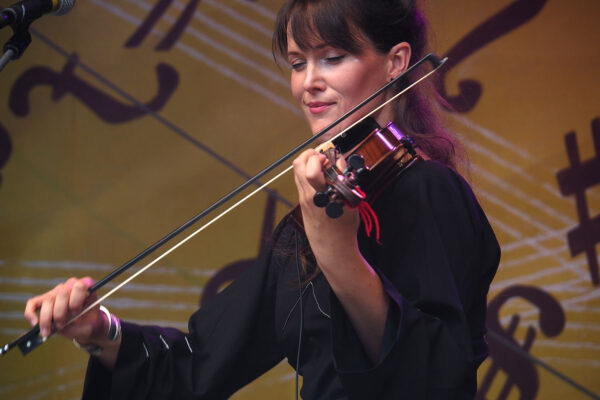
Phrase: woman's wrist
x=107 y=334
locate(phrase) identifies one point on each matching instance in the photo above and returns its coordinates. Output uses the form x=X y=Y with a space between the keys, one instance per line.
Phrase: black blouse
x=436 y=257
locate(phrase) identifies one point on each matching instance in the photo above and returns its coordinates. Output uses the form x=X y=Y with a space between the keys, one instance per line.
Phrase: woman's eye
x=335 y=59
x=297 y=65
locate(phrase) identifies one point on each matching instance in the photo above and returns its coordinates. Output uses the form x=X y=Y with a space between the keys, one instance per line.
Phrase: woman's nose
x=314 y=79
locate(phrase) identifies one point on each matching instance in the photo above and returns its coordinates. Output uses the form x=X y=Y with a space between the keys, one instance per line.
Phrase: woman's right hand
x=57 y=306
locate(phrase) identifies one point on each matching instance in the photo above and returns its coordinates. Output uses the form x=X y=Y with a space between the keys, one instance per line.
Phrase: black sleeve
x=231 y=341
x=436 y=260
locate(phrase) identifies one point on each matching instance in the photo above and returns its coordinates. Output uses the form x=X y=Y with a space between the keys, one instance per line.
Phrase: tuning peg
x=321 y=199
x=356 y=162
x=334 y=209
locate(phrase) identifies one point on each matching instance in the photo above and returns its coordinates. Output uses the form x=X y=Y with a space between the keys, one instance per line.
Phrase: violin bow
x=31 y=339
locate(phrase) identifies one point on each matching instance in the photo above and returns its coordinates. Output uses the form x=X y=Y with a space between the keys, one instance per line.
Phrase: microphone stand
x=17 y=44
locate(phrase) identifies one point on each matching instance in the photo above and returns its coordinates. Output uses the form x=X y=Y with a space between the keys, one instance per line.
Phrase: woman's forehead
x=310 y=29
x=312 y=40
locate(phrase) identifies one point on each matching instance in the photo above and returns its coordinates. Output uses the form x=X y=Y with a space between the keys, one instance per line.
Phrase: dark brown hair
x=352 y=24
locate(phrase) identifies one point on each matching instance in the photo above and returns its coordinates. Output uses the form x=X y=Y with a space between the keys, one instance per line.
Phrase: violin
x=373 y=161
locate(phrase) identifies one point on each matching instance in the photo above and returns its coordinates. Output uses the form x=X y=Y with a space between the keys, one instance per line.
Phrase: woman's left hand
x=334 y=244
x=330 y=239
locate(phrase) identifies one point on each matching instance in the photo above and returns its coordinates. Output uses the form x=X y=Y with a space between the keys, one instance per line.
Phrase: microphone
x=27 y=11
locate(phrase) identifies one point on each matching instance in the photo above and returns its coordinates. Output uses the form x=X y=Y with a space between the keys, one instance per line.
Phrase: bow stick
x=31 y=339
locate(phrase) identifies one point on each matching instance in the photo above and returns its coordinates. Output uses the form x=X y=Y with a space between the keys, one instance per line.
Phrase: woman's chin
x=327 y=136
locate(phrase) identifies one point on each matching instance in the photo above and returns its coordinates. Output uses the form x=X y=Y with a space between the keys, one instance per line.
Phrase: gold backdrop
x=124 y=119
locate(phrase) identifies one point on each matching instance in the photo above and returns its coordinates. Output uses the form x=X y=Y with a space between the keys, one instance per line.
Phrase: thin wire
x=301 y=312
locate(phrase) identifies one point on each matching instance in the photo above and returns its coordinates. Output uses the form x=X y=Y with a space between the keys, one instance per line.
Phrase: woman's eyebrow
x=317 y=47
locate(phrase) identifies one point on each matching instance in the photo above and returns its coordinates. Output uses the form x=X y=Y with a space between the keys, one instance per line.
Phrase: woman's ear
x=398 y=59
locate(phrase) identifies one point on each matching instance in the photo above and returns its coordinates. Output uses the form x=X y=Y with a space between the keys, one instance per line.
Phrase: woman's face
x=328 y=82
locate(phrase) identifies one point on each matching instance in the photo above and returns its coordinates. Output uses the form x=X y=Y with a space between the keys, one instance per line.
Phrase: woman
x=399 y=317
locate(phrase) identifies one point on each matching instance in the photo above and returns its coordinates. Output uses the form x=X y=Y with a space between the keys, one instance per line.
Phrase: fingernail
x=45 y=332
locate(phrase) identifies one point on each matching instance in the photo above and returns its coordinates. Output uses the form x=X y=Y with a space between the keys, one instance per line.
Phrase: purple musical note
x=103 y=105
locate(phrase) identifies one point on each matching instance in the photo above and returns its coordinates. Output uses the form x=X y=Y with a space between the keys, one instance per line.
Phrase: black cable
x=301 y=311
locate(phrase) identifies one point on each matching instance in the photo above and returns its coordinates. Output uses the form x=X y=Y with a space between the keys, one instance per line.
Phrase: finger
x=79 y=294
x=31 y=308
x=61 y=305
x=299 y=171
x=309 y=159
x=314 y=172
x=46 y=315
x=341 y=163
x=300 y=161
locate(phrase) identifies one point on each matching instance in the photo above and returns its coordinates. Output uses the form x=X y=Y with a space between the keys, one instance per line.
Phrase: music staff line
x=41 y=378
x=499 y=224
x=156 y=288
x=593 y=295
x=195 y=54
x=538 y=275
x=55 y=389
x=534 y=256
x=37 y=282
x=512 y=190
x=258 y=8
x=541 y=251
x=231 y=13
x=589 y=363
x=270 y=74
x=509 y=188
x=522 y=154
x=575 y=285
x=85 y=267
x=518 y=245
x=569 y=345
x=263 y=51
x=43 y=391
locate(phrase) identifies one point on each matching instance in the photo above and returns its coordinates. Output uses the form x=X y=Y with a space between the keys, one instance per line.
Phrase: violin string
x=244 y=199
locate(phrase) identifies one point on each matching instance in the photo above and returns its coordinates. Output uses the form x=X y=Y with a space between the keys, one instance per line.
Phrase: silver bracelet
x=108 y=317
x=114 y=332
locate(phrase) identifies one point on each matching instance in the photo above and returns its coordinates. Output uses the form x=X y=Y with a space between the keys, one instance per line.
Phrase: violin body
x=375 y=157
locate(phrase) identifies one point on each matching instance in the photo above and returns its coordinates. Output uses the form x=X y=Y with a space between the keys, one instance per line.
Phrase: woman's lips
x=318 y=107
